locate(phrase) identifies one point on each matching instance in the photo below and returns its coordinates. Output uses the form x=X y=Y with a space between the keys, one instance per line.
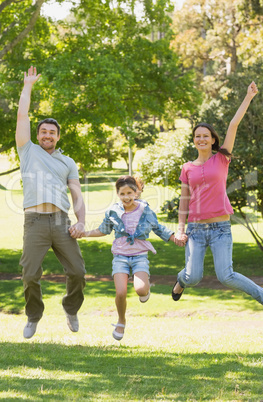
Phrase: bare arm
x=77 y=229
x=23 y=123
x=94 y=233
x=180 y=237
x=232 y=128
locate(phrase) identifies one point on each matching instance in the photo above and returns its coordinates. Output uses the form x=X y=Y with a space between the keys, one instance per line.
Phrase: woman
x=205 y=202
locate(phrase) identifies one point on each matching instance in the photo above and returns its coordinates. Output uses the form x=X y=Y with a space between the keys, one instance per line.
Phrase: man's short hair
x=48 y=120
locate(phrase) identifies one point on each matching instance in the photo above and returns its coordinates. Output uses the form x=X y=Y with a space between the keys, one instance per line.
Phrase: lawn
x=98 y=194
x=206 y=347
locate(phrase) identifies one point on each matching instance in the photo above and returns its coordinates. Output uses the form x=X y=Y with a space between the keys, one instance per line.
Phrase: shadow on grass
x=12 y=297
x=56 y=372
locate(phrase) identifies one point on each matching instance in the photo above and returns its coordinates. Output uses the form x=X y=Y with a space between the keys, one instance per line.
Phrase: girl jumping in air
x=132 y=220
x=205 y=202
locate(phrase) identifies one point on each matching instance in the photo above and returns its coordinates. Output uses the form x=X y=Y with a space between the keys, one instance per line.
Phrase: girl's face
x=203 y=139
x=128 y=196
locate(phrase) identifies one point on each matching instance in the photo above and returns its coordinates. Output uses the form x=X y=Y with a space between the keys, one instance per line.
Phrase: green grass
x=206 y=347
x=169 y=259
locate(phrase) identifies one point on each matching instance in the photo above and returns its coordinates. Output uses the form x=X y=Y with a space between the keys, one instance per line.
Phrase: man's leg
x=36 y=245
x=68 y=252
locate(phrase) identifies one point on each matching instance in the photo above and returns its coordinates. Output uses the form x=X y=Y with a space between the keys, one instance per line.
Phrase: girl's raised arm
x=232 y=128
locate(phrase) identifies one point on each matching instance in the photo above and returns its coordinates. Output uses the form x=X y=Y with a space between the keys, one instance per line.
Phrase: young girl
x=132 y=220
x=204 y=200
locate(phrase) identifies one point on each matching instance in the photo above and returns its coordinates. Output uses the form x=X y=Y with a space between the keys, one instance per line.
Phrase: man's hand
x=77 y=230
x=31 y=77
x=23 y=124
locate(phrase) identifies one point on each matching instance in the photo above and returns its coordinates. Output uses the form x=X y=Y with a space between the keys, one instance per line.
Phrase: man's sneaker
x=72 y=321
x=30 y=329
x=144 y=299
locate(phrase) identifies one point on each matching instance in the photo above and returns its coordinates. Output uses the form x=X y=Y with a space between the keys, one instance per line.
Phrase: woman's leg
x=195 y=250
x=221 y=246
x=121 y=281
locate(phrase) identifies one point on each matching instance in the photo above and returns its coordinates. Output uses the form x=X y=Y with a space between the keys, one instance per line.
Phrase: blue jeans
x=123 y=264
x=219 y=238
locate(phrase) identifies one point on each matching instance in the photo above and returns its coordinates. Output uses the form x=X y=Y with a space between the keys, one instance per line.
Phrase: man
x=46 y=174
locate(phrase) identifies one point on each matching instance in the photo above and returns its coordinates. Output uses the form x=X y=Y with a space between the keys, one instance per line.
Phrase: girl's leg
x=221 y=247
x=121 y=281
x=141 y=283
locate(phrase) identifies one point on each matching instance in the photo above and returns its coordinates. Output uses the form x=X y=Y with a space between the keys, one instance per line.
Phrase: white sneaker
x=30 y=329
x=72 y=321
x=144 y=299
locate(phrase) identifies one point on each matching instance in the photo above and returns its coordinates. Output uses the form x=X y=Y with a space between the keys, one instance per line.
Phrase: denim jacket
x=148 y=221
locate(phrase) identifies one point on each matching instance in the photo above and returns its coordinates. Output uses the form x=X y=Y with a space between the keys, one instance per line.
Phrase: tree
x=17 y=20
x=24 y=38
x=100 y=69
x=163 y=161
x=109 y=72
x=217 y=37
x=245 y=179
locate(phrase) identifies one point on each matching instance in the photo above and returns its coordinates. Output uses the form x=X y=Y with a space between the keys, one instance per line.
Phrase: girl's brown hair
x=215 y=146
x=126 y=181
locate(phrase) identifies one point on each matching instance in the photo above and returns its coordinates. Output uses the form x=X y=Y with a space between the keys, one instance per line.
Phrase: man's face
x=48 y=137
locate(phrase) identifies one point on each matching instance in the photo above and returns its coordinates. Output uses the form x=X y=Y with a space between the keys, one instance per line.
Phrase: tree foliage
x=24 y=38
x=100 y=67
x=245 y=178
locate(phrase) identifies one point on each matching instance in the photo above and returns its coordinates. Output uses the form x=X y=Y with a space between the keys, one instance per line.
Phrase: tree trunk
x=25 y=32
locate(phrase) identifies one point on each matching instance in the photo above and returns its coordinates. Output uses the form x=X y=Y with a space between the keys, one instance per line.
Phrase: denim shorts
x=136 y=263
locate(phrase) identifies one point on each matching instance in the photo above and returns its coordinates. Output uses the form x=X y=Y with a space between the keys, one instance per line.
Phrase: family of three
x=46 y=175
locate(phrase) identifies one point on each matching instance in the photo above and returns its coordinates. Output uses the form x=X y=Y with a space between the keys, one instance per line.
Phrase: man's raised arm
x=23 y=123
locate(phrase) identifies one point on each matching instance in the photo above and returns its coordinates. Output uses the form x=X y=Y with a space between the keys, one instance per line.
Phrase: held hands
x=31 y=77
x=77 y=230
x=252 y=90
x=180 y=239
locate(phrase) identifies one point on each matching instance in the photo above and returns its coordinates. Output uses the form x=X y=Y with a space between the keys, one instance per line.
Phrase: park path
x=207 y=282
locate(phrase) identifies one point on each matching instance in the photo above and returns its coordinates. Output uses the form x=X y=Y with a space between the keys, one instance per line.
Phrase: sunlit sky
x=60 y=11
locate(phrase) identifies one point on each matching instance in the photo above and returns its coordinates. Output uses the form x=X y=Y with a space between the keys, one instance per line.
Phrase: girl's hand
x=77 y=231
x=252 y=90
x=180 y=239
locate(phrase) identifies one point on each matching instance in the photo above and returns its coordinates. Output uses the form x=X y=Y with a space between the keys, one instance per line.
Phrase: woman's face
x=203 y=139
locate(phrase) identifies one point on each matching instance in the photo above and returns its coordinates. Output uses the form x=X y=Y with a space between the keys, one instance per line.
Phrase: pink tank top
x=207 y=185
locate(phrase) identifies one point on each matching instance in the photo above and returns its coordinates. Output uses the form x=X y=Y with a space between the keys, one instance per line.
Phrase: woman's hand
x=180 y=239
x=252 y=90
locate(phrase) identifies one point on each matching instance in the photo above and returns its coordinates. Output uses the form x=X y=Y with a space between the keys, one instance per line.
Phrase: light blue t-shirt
x=45 y=176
